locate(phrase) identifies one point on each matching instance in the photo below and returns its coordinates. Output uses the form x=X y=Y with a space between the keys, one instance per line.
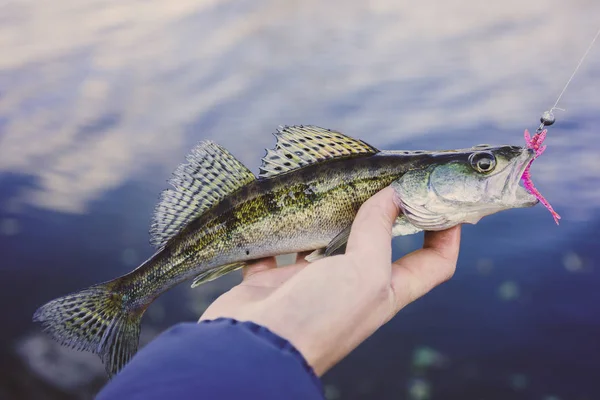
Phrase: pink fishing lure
x=535 y=143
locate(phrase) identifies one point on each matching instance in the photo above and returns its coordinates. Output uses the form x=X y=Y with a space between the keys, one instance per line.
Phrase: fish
x=218 y=217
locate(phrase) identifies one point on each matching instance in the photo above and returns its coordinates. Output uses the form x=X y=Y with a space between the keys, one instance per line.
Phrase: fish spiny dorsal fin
x=298 y=146
x=210 y=174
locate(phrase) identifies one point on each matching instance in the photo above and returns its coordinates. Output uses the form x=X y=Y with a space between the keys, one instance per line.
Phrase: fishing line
x=547 y=117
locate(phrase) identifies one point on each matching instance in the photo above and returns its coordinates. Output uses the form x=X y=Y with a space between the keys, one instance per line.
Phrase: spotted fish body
x=218 y=216
x=298 y=211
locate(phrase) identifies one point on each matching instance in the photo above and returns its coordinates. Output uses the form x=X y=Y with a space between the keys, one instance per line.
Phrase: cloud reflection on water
x=97 y=94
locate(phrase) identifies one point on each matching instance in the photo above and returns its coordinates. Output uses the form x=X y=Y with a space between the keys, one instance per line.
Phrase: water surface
x=99 y=102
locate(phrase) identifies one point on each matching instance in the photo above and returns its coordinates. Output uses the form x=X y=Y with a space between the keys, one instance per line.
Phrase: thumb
x=371 y=235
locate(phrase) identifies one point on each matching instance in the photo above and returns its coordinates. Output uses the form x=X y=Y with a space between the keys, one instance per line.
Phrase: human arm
x=218 y=359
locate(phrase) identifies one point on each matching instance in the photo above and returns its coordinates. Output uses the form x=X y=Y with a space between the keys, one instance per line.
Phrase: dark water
x=100 y=102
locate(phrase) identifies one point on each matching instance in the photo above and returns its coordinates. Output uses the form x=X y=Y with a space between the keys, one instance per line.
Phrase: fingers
x=370 y=238
x=257 y=266
x=420 y=271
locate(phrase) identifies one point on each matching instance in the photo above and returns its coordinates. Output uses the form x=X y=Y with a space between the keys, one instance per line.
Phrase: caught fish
x=218 y=217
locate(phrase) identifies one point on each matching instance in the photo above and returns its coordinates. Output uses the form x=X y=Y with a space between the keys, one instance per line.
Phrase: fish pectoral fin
x=336 y=246
x=214 y=273
x=302 y=145
x=338 y=243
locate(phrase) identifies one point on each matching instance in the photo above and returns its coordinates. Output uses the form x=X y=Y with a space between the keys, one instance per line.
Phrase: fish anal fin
x=214 y=273
x=315 y=255
x=301 y=145
x=211 y=173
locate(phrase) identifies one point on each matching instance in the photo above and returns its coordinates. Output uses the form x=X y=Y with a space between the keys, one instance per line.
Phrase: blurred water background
x=101 y=100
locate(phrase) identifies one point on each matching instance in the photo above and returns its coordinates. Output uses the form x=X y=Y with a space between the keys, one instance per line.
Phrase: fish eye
x=483 y=162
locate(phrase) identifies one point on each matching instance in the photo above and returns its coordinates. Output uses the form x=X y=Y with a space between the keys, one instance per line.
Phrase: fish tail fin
x=96 y=319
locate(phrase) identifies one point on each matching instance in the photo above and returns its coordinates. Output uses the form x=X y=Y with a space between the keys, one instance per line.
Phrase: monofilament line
x=575 y=71
x=547 y=118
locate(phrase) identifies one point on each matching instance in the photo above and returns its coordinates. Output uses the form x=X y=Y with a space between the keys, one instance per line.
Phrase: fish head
x=462 y=186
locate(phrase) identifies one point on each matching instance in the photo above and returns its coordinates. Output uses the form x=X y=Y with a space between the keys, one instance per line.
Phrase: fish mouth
x=519 y=178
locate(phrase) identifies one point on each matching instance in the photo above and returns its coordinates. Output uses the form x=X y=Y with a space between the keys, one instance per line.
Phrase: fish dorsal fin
x=298 y=146
x=211 y=173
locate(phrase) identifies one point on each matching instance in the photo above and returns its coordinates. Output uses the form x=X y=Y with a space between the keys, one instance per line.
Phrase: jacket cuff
x=216 y=359
x=273 y=339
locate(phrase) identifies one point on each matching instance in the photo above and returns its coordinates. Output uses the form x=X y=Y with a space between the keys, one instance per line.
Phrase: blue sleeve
x=219 y=359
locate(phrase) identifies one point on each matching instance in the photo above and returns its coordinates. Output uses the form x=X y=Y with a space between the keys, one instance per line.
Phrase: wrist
x=326 y=337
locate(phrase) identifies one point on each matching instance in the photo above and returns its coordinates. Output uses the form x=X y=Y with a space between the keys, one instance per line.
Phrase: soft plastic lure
x=536 y=143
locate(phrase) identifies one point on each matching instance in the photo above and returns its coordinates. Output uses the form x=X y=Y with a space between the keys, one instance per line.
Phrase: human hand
x=328 y=307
